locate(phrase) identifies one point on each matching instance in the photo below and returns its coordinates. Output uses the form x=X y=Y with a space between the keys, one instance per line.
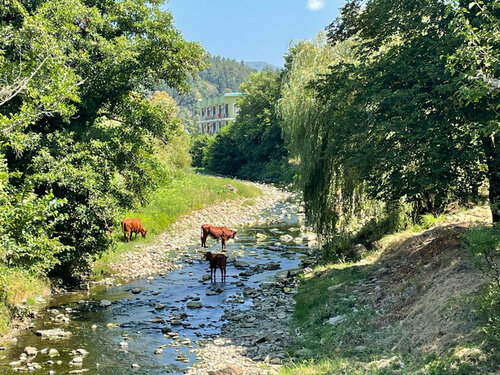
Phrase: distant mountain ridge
x=223 y=75
x=260 y=65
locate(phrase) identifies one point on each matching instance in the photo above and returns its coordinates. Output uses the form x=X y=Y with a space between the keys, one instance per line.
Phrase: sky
x=252 y=30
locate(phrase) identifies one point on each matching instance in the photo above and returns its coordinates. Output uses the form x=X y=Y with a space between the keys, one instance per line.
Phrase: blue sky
x=252 y=30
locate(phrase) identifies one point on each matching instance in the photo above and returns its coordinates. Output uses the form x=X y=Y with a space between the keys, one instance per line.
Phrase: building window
x=226 y=114
x=235 y=108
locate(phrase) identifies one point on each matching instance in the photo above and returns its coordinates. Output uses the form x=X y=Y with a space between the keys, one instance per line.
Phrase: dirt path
x=162 y=255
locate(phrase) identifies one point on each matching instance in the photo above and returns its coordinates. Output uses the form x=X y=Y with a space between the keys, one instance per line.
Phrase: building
x=216 y=112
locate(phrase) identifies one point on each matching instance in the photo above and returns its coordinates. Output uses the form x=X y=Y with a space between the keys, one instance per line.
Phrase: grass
x=186 y=192
x=18 y=290
x=379 y=326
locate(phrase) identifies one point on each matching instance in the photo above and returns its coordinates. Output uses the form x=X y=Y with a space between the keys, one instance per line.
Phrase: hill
x=260 y=65
x=223 y=75
x=410 y=307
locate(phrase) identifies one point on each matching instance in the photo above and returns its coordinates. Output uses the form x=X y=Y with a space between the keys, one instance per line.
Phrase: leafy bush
x=483 y=244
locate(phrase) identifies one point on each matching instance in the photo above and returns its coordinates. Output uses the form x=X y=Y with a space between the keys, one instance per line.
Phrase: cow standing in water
x=130 y=226
x=216 y=261
x=216 y=232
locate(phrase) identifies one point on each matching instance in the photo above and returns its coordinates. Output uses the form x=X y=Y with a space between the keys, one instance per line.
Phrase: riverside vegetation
x=82 y=138
x=387 y=123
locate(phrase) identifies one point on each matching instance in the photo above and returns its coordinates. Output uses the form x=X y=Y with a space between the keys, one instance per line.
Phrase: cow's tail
x=123 y=226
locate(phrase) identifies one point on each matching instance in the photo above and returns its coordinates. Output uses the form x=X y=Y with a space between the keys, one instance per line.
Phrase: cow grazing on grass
x=216 y=261
x=130 y=226
x=216 y=232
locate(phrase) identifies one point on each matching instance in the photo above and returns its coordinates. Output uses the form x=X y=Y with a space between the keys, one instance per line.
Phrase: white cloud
x=315 y=4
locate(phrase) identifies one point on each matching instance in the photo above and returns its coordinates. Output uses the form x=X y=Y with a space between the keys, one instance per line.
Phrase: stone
x=30 y=351
x=159 y=306
x=241 y=264
x=230 y=370
x=105 y=303
x=82 y=352
x=77 y=360
x=336 y=320
x=159 y=351
x=136 y=290
x=52 y=333
x=273 y=266
x=194 y=305
x=123 y=344
x=286 y=238
x=134 y=365
x=53 y=353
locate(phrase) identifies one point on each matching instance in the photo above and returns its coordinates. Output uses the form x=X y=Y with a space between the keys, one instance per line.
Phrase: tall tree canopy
x=77 y=129
x=385 y=122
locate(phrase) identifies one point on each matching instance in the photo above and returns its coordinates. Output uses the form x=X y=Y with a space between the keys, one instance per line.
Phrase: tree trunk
x=492 y=151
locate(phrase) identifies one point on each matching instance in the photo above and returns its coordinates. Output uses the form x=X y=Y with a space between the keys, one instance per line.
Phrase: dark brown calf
x=216 y=232
x=130 y=226
x=216 y=261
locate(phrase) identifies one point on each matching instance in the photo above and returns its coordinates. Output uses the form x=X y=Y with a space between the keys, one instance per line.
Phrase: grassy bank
x=186 y=192
x=409 y=307
x=20 y=292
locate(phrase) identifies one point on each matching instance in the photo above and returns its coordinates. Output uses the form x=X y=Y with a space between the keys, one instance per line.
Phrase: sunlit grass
x=18 y=288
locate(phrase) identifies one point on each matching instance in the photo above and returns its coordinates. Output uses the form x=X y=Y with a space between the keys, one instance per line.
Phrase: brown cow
x=130 y=226
x=216 y=261
x=216 y=232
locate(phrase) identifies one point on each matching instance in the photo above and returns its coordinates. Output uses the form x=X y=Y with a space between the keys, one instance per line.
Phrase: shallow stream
x=122 y=338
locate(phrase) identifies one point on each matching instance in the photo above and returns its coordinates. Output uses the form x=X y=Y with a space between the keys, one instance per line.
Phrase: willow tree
x=331 y=191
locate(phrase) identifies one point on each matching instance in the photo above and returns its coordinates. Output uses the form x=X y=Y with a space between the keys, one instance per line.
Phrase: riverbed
x=161 y=324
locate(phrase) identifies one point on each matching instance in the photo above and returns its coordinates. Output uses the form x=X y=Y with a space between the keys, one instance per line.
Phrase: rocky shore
x=163 y=255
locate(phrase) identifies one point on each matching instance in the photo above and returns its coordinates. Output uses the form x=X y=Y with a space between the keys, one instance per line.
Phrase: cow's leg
x=213 y=275
x=222 y=243
x=204 y=240
x=222 y=273
x=129 y=234
x=125 y=236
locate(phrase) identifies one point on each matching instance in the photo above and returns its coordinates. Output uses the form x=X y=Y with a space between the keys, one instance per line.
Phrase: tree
x=76 y=123
x=383 y=123
x=476 y=61
x=252 y=147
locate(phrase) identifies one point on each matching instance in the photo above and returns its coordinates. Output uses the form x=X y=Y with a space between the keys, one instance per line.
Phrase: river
x=148 y=327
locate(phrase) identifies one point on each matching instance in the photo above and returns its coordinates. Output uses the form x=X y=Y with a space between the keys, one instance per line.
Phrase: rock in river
x=53 y=333
x=194 y=305
x=241 y=264
x=105 y=303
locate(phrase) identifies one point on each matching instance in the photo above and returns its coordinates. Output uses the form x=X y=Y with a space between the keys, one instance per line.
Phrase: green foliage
x=81 y=139
x=483 y=244
x=199 y=144
x=383 y=122
x=252 y=147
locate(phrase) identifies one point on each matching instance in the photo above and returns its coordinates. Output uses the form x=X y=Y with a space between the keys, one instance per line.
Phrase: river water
x=129 y=331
